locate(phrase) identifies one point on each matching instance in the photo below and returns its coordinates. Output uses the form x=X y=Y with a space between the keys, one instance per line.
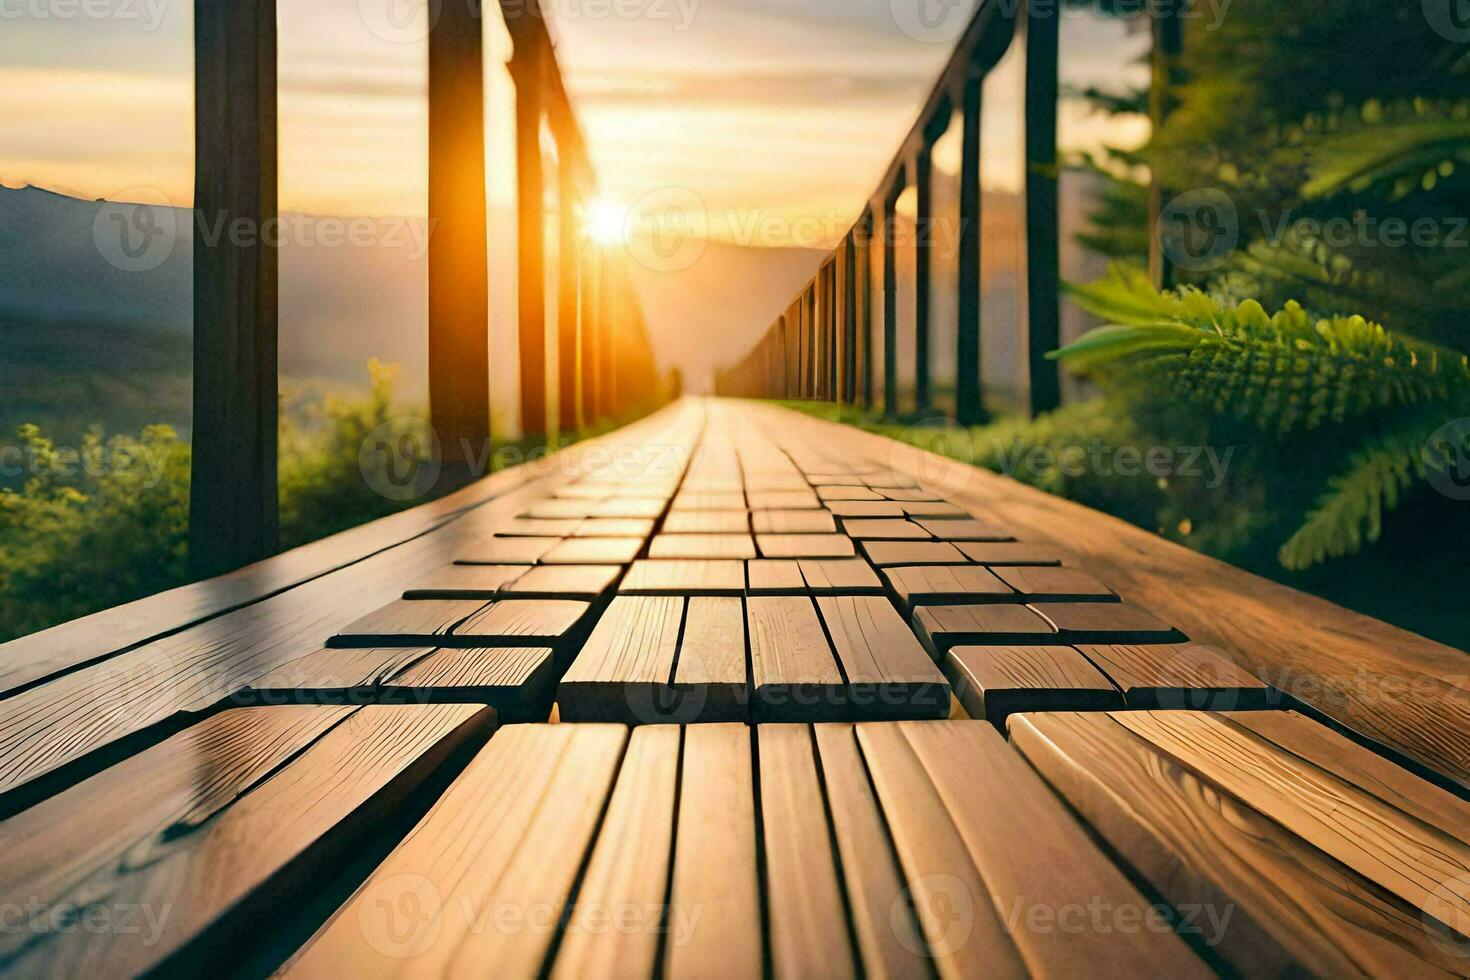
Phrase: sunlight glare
x=605 y=222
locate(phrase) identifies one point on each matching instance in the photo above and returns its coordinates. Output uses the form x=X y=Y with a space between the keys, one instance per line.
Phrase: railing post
x=865 y=323
x=459 y=290
x=589 y=261
x=968 y=398
x=233 y=505
x=890 y=306
x=849 y=321
x=569 y=323
x=923 y=170
x=832 y=334
x=1168 y=46
x=1042 y=218
x=526 y=68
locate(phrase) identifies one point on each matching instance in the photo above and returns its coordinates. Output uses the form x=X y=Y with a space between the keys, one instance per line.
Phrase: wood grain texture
x=706 y=547
x=627 y=664
x=889 y=553
x=1106 y=622
x=579 y=582
x=629 y=870
x=532 y=527
x=1055 y=584
x=963 y=933
x=889 y=676
x=1302 y=645
x=594 y=551
x=710 y=680
x=507 y=551
x=774 y=577
x=1425 y=865
x=887 y=934
x=1294 y=909
x=889 y=529
x=808 y=922
x=715 y=858
x=654 y=577
x=865 y=508
x=1016 y=553
x=1005 y=839
x=794 y=522
x=615 y=527
x=1183 y=675
x=793 y=669
x=805 y=545
x=848 y=493
x=840 y=576
x=461 y=582
x=964 y=530
x=707 y=522
x=336 y=676
x=729 y=501
x=935 y=509
x=219 y=825
x=994 y=683
x=508 y=838
x=408 y=623
x=916 y=585
x=783 y=500
x=518 y=682
x=519 y=622
x=995 y=624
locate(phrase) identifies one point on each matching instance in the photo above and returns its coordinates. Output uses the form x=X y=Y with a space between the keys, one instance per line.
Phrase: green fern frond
x=1403 y=148
x=1350 y=514
x=1280 y=373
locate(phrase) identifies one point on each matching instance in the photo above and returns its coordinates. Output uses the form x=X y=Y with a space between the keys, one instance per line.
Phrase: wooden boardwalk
x=734 y=692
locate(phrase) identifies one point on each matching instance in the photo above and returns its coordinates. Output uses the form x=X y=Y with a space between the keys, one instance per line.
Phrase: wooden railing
x=606 y=366
x=839 y=339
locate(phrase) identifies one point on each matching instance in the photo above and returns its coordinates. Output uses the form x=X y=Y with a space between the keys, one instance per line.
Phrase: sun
x=605 y=222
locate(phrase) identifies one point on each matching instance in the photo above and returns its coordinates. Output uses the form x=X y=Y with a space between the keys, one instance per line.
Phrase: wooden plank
x=534 y=527
x=461 y=582
x=625 y=882
x=963 y=933
x=408 y=623
x=886 y=554
x=586 y=490
x=1425 y=865
x=710 y=681
x=783 y=500
x=702 y=546
x=1106 y=622
x=647 y=508
x=853 y=491
x=917 y=585
x=221 y=825
x=563 y=582
x=994 y=683
x=805 y=545
x=838 y=576
x=911 y=495
x=518 y=682
x=684 y=578
x=888 y=936
x=348 y=676
x=965 y=530
x=865 y=508
x=889 y=676
x=560 y=508
x=995 y=624
x=624 y=670
x=934 y=510
x=793 y=669
x=707 y=522
x=615 y=527
x=794 y=522
x=1003 y=840
x=1294 y=909
x=892 y=529
x=1056 y=585
x=507 y=551
x=715 y=859
x=594 y=551
x=1180 y=676
x=773 y=577
x=519 y=622
x=807 y=919
x=707 y=501
x=507 y=838
x=1010 y=553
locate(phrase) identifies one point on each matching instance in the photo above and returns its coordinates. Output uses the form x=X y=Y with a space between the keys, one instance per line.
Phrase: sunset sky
x=785 y=108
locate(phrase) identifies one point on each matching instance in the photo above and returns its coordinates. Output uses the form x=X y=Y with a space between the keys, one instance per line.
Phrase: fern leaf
x=1401 y=146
